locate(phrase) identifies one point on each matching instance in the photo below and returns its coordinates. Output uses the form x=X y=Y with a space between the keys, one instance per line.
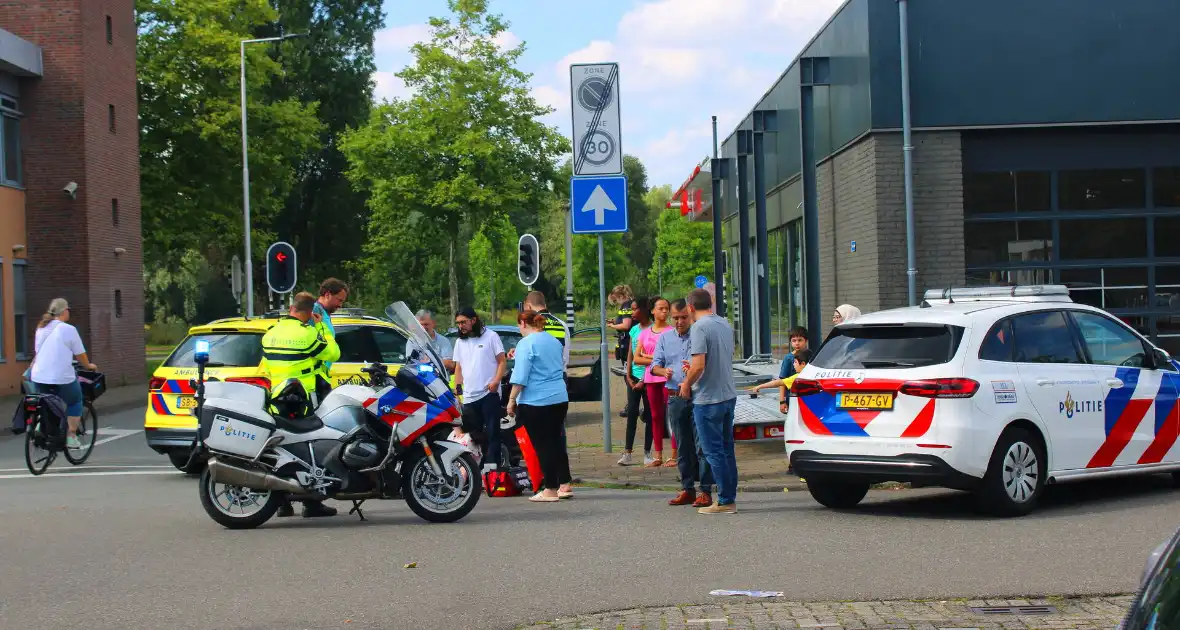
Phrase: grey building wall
x=1026 y=62
x=862 y=198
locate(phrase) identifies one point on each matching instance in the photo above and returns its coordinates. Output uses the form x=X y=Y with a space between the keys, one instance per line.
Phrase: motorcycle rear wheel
x=219 y=500
x=434 y=502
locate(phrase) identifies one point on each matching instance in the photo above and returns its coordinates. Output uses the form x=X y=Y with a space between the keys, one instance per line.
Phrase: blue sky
x=665 y=49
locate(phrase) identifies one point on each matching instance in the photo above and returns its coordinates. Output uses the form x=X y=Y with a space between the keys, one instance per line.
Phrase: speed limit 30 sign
x=597 y=133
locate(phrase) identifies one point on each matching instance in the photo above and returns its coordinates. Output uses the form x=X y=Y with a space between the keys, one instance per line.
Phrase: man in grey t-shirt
x=714 y=396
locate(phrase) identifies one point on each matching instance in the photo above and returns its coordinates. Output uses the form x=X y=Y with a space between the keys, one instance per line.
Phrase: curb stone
x=1072 y=613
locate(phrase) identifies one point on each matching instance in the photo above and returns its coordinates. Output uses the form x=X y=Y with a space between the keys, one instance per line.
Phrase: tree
x=617 y=267
x=332 y=66
x=492 y=255
x=467 y=146
x=190 y=141
x=686 y=247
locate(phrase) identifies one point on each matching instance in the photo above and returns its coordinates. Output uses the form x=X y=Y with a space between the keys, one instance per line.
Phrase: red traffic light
x=281 y=257
x=280 y=267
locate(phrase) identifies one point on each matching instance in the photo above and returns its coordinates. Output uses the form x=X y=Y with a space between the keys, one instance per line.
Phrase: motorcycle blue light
x=424 y=368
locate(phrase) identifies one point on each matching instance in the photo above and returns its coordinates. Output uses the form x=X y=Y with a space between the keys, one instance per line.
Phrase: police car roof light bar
x=1045 y=292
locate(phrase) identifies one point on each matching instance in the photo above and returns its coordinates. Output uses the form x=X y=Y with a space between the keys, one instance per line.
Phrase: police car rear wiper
x=884 y=364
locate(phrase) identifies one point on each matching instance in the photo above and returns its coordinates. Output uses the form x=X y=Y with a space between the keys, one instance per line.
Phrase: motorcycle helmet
x=292 y=402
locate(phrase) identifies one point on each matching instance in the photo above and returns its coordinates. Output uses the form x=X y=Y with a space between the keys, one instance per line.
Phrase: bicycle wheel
x=38 y=453
x=87 y=433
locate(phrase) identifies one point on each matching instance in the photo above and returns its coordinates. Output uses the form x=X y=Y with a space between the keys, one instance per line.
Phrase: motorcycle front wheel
x=235 y=507
x=443 y=500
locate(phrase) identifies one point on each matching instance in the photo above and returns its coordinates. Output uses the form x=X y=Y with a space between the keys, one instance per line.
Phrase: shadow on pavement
x=1093 y=497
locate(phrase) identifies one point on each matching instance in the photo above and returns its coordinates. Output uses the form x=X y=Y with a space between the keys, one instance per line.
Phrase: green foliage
x=617 y=266
x=466 y=147
x=686 y=248
x=492 y=255
x=190 y=139
x=332 y=66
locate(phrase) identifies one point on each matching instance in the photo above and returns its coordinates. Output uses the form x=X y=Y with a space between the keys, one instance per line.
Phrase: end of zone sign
x=597 y=132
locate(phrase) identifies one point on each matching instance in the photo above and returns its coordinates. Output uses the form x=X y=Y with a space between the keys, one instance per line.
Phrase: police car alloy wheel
x=1016 y=476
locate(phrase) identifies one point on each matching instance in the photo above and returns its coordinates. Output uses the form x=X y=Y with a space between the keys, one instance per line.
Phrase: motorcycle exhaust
x=253 y=479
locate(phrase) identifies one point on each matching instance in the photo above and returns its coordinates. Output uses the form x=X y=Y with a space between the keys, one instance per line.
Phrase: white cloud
x=506 y=40
x=682 y=60
x=399 y=39
x=388 y=86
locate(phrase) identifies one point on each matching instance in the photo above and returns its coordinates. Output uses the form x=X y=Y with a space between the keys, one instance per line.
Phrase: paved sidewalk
x=761 y=466
x=1088 y=613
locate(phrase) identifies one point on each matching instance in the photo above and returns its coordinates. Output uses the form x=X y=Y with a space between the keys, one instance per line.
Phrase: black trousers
x=634 y=397
x=545 y=426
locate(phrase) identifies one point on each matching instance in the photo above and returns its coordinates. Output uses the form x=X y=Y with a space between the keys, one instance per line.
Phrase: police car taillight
x=803 y=387
x=940 y=388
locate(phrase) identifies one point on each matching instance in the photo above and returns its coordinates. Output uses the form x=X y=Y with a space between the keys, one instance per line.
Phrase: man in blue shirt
x=333 y=292
x=669 y=361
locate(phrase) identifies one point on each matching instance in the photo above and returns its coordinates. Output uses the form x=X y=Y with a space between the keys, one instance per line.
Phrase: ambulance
x=999 y=391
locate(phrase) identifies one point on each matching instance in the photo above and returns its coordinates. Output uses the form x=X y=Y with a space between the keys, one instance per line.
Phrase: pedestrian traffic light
x=280 y=267
x=530 y=260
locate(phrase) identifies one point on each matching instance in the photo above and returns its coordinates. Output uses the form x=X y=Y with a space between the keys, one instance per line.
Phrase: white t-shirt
x=56 y=349
x=477 y=361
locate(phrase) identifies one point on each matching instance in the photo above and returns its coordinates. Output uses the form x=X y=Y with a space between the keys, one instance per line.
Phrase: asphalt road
x=122 y=542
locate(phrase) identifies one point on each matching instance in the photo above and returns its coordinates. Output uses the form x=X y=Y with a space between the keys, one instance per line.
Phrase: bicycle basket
x=94 y=384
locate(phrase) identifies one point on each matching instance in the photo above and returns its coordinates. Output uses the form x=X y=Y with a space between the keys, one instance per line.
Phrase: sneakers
x=717 y=508
x=703 y=500
x=686 y=497
x=626 y=460
x=72 y=443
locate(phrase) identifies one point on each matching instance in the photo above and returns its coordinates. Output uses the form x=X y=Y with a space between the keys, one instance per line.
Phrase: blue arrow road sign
x=701 y=281
x=599 y=204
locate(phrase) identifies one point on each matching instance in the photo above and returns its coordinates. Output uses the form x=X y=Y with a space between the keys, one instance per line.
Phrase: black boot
x=313 y=509
x=285 y=510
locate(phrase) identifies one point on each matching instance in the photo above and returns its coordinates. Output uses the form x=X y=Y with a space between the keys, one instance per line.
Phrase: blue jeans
x=693 y=467
x=714 y=425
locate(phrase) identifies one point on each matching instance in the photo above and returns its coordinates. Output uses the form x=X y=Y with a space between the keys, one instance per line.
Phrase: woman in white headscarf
x=845 y=313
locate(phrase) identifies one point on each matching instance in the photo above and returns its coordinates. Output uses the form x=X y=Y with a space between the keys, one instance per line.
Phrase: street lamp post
x=249 y=270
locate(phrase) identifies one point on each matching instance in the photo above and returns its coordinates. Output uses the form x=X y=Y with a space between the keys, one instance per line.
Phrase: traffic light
x=529 y=267
x=280 y=267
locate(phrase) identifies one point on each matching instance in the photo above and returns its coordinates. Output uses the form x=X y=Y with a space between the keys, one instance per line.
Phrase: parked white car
x=995 y=390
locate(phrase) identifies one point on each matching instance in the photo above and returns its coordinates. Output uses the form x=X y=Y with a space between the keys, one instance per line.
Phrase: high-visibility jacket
x=293 y=349
x=554 y=326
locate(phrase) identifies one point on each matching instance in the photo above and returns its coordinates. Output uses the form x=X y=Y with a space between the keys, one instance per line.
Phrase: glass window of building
x=1006 y=191
x=996 y=242
x=1106 y=189
x=1166 y=187
x=1103 y=238
x=10 y=162
x=20 y=320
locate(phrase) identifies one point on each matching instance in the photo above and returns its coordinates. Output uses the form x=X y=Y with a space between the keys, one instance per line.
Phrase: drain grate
x=1014 y=610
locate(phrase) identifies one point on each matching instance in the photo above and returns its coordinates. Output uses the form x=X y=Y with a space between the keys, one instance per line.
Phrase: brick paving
x=1088 y=613
x=761 y=466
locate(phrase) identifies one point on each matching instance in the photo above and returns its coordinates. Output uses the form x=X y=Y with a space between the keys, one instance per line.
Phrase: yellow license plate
x=850 y=400
x=186 y=402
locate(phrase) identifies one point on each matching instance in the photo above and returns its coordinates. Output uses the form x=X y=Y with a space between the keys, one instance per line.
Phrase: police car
x=999 y=391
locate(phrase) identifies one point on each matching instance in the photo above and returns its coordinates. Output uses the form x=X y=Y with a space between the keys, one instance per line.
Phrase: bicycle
x=46 y=431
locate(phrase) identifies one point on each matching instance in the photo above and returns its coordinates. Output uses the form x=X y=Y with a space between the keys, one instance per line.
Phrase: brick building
x=1046 y=148
x=68 y=90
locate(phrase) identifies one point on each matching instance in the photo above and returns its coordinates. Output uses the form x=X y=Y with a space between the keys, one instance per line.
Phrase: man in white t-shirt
x=479 y=369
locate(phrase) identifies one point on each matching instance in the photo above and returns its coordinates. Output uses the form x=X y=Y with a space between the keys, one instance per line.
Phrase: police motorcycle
x=384 y=440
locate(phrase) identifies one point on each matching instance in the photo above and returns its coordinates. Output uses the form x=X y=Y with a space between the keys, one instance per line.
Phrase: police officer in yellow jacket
x=300 y=346
x=535 y=301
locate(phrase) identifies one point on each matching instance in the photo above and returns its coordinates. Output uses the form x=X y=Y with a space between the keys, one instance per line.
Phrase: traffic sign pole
x=606 y=445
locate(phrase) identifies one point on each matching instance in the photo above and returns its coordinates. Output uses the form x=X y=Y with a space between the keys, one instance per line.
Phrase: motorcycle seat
x=306 y=424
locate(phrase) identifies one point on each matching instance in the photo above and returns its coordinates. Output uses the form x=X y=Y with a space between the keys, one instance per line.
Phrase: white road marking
x=82 y=473
x=90 y=467
x=115 y=434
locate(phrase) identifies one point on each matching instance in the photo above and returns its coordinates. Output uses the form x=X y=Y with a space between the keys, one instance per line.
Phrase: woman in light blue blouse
x=540 y=401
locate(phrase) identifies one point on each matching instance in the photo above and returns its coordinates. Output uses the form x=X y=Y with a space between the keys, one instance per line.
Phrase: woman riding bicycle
x=57 y=345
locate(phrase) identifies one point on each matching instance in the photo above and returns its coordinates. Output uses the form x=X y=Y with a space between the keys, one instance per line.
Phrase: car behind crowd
x=999 y=391
x=236 y=344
